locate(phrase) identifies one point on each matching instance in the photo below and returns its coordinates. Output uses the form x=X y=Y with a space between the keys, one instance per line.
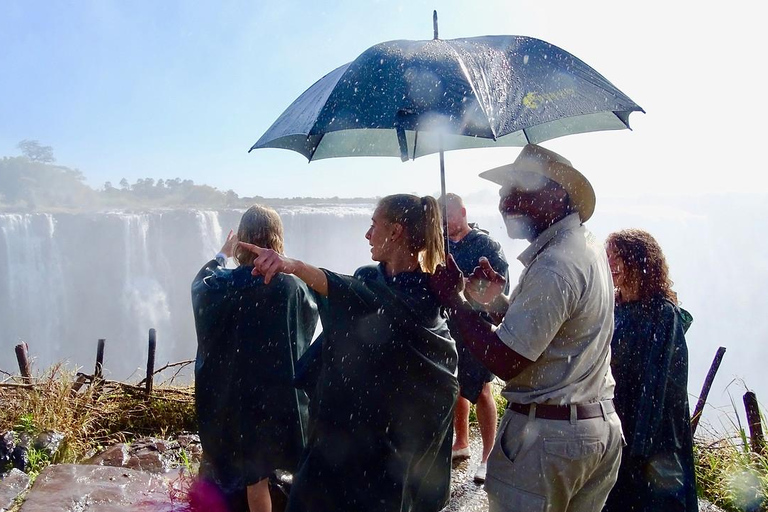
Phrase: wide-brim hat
x=535 y=159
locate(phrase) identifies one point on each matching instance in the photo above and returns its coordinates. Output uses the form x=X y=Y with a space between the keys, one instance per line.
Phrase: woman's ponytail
x=434 y=246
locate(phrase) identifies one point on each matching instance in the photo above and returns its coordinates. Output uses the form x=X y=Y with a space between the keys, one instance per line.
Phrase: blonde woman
x=383 y=404
x=249 y=337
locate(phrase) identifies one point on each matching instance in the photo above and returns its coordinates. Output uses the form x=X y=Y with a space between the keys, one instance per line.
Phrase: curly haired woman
x=650 y=364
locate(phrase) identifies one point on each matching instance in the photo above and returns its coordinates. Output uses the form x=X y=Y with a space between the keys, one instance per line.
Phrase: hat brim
x=580 y=191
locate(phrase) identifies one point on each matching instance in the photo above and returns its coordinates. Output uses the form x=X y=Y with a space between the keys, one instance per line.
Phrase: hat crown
x=533 y=158
x=538 y=160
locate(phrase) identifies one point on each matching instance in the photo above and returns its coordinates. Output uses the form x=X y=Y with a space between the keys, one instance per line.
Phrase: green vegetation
x=95 y=416
x=32 y=182
x=730 y=474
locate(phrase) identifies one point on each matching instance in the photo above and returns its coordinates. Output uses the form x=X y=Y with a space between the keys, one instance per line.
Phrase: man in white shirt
x=559 y=443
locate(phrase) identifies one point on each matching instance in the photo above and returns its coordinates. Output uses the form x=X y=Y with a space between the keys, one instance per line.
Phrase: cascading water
x=67 y=280
x=33 y=284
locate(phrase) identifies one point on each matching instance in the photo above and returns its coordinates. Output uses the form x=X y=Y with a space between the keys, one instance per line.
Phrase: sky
x=173 y=88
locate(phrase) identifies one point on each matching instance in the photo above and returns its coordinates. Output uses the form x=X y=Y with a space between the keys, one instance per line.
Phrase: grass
x=98 y=414
x=729 y=473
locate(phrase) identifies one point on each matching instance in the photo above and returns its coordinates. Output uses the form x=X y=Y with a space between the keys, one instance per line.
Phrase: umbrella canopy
x=413 y=98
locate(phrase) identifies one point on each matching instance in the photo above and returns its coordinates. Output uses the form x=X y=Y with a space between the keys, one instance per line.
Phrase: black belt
x=563 y=412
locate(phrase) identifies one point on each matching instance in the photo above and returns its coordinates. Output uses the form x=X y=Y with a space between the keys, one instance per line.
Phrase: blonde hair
x=259 y=225
x=422 y=224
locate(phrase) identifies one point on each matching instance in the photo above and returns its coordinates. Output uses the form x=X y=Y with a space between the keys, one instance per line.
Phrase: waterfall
x=68 y=279
x=32 y=285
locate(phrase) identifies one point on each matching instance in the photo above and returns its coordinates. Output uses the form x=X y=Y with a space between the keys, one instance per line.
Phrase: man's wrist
x=221 y=258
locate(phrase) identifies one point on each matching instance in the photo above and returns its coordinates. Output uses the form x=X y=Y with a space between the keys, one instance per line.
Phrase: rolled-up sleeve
x=537 y=310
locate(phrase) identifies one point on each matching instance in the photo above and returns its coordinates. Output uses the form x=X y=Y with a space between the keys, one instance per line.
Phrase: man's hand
x=267 y=262
x=485 y=284
x=447 y=283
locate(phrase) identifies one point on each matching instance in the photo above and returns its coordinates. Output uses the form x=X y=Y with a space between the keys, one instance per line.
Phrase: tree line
x=33 y=182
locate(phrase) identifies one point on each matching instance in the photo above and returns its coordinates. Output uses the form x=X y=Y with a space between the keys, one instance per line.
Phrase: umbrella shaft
x=442 y=196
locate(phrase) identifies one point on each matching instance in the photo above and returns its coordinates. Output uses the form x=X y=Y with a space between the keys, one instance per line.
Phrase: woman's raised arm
x=267 y=263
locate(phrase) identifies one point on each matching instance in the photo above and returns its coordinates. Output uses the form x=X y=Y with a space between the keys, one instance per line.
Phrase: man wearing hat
x=559 y=442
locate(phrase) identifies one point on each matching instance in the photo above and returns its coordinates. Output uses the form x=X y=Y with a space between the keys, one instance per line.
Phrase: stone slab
x=12 y=484
x=87 y=488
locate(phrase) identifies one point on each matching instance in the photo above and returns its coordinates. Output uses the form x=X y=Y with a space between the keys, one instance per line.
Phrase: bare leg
x=461 y=424
x=487 y=418
x=258 y=497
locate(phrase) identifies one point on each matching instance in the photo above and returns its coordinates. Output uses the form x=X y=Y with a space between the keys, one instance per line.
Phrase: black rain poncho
x=649 y=362
x=249 y=337
x=382 y=408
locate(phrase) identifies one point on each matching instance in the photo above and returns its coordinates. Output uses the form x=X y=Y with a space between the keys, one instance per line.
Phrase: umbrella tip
x=434 y=22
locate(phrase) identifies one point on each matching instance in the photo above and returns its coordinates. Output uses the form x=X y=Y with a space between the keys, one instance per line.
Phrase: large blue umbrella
x=413 y=98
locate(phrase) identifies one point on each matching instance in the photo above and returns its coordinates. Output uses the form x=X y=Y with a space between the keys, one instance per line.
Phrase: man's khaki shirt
x=561 y=317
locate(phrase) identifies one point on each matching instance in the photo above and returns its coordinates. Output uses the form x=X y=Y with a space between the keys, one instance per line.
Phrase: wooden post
x=98 y=373
x=22 y=356
x=81 y=378
x=755 y=423
x=151 y=361
x=705 y=389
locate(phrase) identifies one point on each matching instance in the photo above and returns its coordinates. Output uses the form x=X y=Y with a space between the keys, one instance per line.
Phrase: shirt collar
x=569 y=222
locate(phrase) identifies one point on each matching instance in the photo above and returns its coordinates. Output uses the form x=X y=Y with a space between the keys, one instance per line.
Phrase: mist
x=68 y=279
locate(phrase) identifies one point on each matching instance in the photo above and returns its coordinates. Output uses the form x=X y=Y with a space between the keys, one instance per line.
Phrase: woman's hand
x=485 y=284
x=267 y=262
x=228 y=249
x=447 y=283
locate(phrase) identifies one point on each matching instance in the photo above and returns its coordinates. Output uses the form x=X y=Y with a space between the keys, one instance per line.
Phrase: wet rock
x=705 y=506
x=147 y=454
x=48 y=442
x=7 y=444
x=23 y=439
x=76 y=488
x=116 y=455
x=20 y=457
x=151 y=454
x=187 y=439
x=153 y=444
x=148 y=460
x=191 y=444
x=12 y=484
